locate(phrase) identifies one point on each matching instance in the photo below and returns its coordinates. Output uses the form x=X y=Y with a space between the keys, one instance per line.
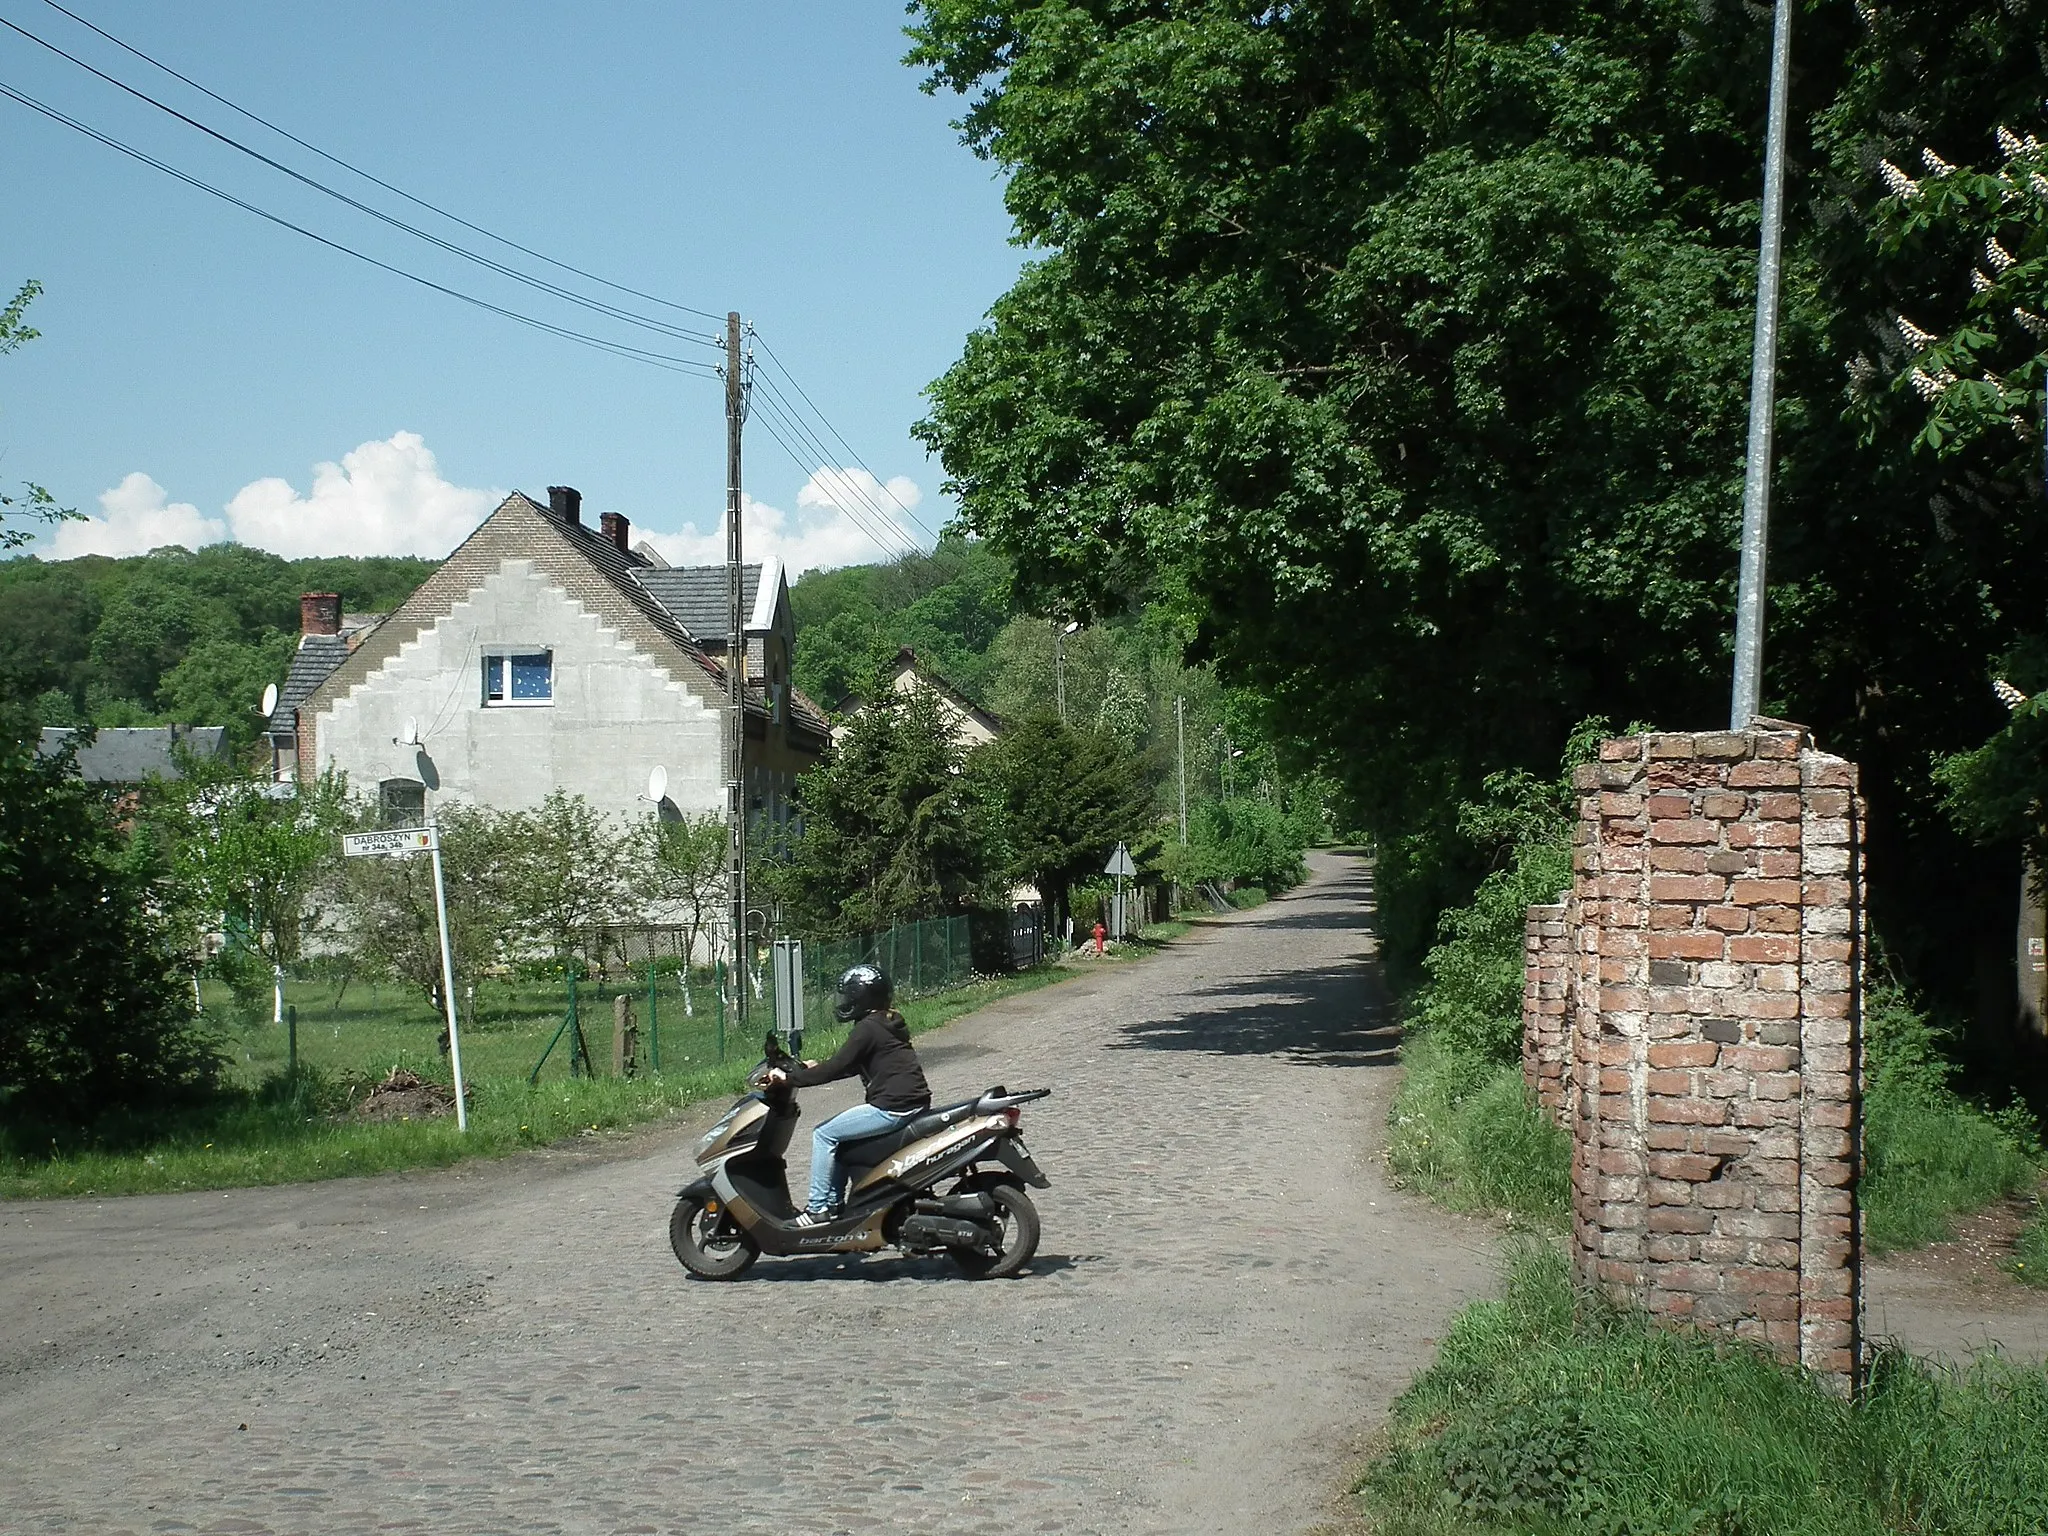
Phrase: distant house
x=971 y=724
x=545 y=655
x=326 y=636
x=133 y=755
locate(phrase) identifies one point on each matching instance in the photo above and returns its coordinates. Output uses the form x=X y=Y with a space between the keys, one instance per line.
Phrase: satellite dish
x=410 y=736
x=657 y=784
x=269 y=698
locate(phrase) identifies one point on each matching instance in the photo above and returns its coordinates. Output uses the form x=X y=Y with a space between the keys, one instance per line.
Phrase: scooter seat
x=870 y=1150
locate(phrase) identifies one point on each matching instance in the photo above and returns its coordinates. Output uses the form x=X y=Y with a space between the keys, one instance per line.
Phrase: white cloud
x=820 y=534
x=136 y=516
x=383 y=498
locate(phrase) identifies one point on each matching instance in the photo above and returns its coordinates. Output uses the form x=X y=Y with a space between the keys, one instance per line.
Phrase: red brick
x=1760 y=949
x=1750 y=892
x=1691 y=1053
x=1663 y=806
x=1683 y=1165
x=1674 y=1082
x=1674 y=1110
x=1698 y=888
x=1687 y=946
x=1775 y=919
x=1681 y=861
x=1727 y=919
x=1724 y=807
x=1764 y=776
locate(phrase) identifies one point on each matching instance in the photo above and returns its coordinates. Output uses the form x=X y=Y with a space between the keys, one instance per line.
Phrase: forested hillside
x=173 y=635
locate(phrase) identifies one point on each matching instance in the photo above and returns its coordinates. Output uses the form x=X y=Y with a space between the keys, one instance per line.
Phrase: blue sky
x=196 y=364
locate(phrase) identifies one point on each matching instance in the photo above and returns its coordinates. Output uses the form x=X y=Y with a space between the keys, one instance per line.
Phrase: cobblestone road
x=1227 y=1296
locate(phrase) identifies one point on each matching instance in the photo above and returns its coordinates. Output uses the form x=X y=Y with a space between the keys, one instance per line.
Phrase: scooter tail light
x=1013 y=1115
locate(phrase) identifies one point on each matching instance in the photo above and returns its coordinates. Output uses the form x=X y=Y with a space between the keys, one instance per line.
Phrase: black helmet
x=863 y=990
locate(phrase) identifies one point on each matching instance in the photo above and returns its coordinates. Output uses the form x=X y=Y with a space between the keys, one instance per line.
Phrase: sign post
x=401 y=843
x=1121 y=866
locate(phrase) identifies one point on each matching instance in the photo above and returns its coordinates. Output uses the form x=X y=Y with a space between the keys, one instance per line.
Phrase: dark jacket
x=879 y=1050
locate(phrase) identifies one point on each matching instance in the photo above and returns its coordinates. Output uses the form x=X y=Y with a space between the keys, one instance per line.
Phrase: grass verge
x=1464 y=1132
x=2030 y=1252
x=1547 y=1412
x=280 y=1130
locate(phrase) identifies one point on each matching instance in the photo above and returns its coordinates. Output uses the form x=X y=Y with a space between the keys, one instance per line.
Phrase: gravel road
x=1228 y=1295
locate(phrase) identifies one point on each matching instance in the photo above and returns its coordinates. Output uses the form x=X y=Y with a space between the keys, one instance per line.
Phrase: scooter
x=740 y=1207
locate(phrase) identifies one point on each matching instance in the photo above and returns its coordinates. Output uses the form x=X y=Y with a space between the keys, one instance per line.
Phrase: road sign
x=396 y=843
x=1120 y=863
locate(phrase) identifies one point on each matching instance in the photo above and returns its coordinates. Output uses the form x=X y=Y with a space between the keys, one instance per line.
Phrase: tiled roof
x=696 y=595
x=132 y=754
x=316 y=656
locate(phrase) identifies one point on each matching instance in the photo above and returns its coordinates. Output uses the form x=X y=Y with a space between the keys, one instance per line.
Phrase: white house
x=545 y=655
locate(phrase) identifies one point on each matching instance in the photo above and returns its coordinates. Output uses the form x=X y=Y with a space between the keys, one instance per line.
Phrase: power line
x=837 y=434
x=416 y=201
x=596 y=306
x=774 y=400
x=862 y=508
x=618 y=349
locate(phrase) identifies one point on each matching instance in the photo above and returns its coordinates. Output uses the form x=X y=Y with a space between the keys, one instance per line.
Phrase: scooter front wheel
x=709 y=1243
x=1016 y=1218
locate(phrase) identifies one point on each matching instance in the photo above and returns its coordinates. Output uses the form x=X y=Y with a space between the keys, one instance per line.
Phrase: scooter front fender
x=699 y=1187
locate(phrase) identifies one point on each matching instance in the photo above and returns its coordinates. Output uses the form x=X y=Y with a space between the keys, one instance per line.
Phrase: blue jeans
x=861 y=1120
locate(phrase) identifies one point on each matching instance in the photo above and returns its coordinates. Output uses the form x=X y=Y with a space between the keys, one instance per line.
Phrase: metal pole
x=735 y=667
x=291 y=1022
x=448 y=985
x=653 y=1017
x=1180 y=732
x=1059 y=669
x=1746 y=703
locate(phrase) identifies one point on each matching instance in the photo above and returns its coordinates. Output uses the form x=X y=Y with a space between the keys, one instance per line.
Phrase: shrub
x=93 y=1022
x=1930 y=1154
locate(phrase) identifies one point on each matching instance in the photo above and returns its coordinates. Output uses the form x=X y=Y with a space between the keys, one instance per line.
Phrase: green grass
x=1549 y=1413
x=269 y=1129
x=1464 y=1132
x=1246 y=897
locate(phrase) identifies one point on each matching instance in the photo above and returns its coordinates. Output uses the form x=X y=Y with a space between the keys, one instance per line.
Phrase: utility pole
x=1180 y=733
x=735 y=672
x=1747 y=697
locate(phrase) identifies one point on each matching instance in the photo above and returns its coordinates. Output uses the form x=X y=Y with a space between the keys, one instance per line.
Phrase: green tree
x=46 y=624
x=567 y=865
x=889 y=830
x=388 y=903
x=247 y=858
x=1403 y=352
x=93 y=1020
x=1058 y=801
x=32 y=501
x=681 y=866
x=221 y=682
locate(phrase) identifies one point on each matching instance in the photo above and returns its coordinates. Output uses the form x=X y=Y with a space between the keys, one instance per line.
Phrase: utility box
x=789 y=991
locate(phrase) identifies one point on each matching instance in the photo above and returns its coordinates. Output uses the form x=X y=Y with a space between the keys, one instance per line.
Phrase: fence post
x=575 y=1025
x=718 y=984
x=291 y=1021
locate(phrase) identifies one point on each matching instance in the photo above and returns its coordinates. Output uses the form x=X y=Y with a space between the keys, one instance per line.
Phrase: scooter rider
x=879 y=1050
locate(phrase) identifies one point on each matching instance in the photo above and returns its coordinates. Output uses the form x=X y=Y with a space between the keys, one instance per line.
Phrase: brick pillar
x=1716 y=1038
x=1546 y=994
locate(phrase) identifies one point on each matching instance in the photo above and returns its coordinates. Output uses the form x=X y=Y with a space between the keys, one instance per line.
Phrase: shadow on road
x=1325 y=1017
x=874 y=1271
x=1333 y=1014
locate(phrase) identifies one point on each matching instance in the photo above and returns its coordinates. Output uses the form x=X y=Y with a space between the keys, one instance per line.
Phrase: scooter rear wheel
x=710 y=1246
x=1017 y=1220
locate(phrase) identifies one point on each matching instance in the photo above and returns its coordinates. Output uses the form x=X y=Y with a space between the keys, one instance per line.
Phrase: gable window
x=519 y=677
x=401 y=803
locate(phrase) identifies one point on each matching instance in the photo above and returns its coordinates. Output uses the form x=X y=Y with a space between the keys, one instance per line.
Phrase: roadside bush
x=2030 y=1253
x=1549 y=1411
x=93 y=1022
x=1931 y=1154
x=1248 y=841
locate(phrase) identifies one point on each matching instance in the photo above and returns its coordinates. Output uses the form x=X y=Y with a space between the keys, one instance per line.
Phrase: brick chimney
x=566 y=502
x=616 y=528
x=320 y=613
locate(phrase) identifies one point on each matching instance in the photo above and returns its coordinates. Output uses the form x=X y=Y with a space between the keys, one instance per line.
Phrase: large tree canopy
x=1404 y=348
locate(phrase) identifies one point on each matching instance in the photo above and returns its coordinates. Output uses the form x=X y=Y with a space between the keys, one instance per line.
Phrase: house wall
x=615 y=715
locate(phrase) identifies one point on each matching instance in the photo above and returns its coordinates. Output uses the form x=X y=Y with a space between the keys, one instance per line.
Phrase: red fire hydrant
x=1101 y=933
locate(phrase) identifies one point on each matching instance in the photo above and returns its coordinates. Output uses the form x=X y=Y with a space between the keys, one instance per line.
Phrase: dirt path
x=1227 y=1295
x=1955 y=1298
